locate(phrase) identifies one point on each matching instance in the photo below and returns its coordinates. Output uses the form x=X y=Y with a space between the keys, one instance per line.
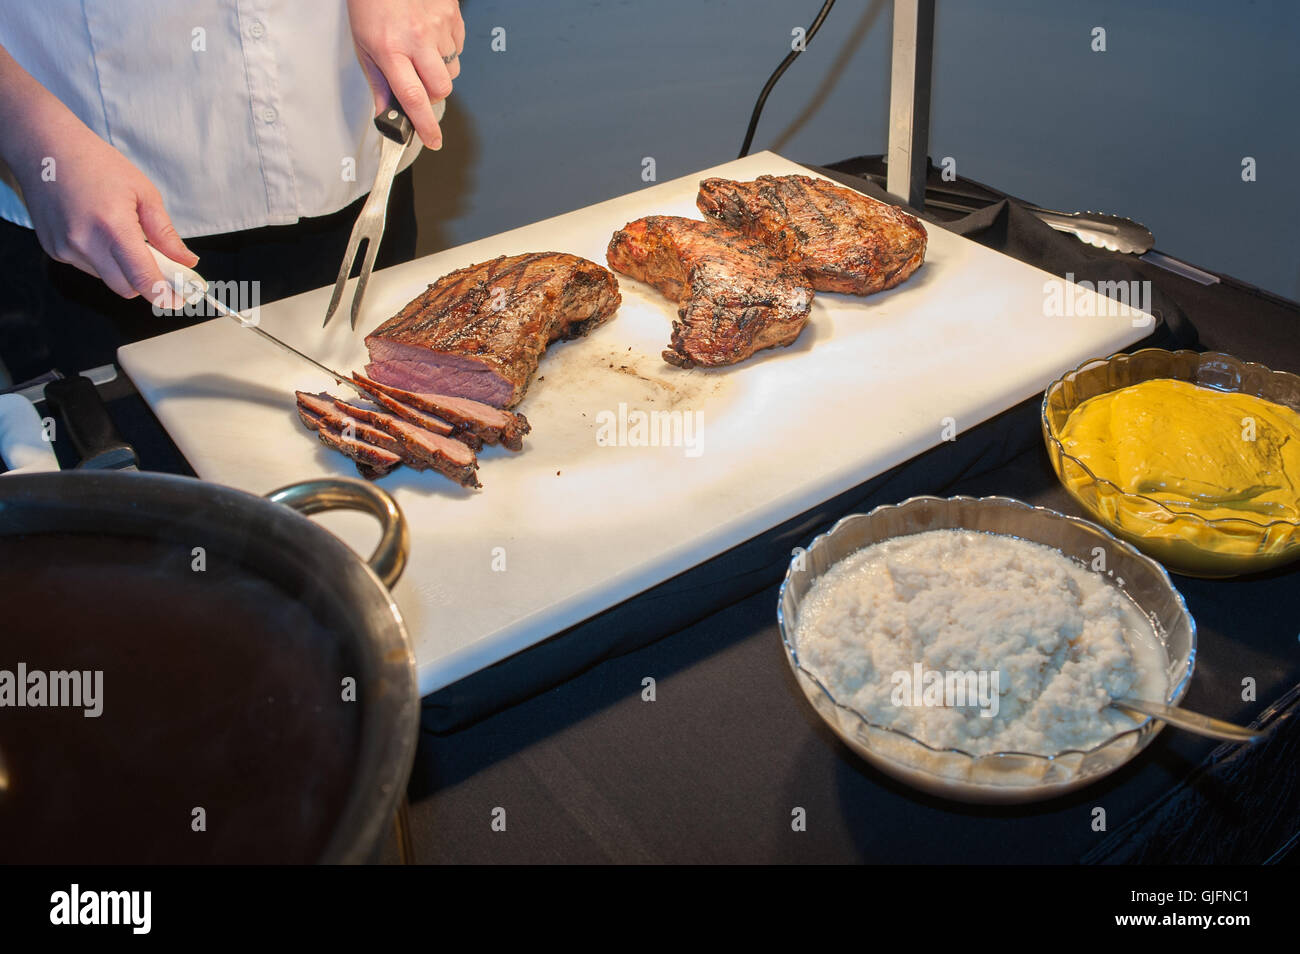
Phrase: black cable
x=785 y=65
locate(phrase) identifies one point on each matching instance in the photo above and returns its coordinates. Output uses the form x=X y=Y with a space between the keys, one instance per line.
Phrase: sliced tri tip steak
x=359 y=432
x=372 y=461
x=467 y=418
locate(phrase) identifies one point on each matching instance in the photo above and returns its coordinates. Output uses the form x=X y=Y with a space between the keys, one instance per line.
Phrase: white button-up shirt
x=243 y=113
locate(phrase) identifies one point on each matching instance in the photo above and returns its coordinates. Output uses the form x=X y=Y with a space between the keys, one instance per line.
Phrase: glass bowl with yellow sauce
x=1192 y=457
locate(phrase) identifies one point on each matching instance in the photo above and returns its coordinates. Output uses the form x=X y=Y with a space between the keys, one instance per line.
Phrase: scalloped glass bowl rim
x=1145 y=727
x=1050 y=433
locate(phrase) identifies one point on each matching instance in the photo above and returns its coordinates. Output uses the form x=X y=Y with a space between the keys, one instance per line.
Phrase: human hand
x=403 y=46
x=96 y=211
x=91 y=207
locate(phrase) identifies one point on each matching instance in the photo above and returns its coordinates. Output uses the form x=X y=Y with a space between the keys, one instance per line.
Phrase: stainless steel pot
x=274 y=540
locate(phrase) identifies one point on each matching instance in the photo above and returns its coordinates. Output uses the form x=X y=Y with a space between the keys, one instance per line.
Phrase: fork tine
x=349 y=257
x=372 y=249
x=369 y=227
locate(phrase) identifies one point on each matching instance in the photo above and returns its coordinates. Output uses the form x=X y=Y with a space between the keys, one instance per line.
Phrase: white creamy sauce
x=1054 y=640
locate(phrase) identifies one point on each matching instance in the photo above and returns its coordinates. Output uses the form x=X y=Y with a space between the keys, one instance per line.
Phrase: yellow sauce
x=1214 y=453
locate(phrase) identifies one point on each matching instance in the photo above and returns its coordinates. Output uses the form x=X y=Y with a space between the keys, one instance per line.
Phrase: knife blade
x=193 y=287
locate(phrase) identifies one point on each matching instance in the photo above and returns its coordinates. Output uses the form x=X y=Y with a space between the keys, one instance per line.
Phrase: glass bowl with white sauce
x=969 y=646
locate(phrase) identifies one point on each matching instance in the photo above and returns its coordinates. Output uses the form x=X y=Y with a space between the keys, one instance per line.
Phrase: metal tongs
x=395 y=135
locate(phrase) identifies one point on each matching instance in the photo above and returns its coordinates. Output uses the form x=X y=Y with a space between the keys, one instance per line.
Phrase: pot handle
x=317 y=496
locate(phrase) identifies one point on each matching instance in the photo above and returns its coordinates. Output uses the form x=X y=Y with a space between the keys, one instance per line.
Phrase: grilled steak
x=735 y=295
x=323 y=408
x=367 y=436
x=409 y=413
x=379 y=420
x=422 y=448
x=448 y=457
x=845 y=241
x=479 y=332
x=469 y=419
x=372 y=462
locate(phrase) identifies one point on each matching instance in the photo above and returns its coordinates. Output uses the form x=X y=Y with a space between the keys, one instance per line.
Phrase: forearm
x=32 y=118
x=96 y=210
x=409 y=49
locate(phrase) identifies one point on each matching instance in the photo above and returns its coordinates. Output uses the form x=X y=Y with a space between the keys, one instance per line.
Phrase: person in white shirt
x=231 y=120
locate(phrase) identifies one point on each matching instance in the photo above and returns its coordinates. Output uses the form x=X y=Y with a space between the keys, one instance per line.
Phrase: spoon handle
x=1192 y=721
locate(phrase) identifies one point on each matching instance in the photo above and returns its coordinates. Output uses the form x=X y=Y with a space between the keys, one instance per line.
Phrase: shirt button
x=269 y=115
x=257 y=29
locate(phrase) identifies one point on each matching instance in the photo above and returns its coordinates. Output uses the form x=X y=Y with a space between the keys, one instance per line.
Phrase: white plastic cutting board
x=578 y=526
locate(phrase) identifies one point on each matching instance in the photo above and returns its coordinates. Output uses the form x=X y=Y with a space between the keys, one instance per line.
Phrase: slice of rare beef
x=449 y=456
x=367 y=436
x=408 y=412
x=487 y=424
x=324 y=410
x=372 y=462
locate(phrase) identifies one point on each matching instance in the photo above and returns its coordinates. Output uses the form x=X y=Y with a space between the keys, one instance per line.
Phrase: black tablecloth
x=712 y=769
x=560 y=745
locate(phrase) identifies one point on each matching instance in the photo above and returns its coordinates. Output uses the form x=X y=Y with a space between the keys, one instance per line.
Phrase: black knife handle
x=86 y=419
x=392 y=122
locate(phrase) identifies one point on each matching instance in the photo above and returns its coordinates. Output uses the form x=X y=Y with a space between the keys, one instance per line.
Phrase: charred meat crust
x=480 y=331
x=735 y=295
x=843 y=240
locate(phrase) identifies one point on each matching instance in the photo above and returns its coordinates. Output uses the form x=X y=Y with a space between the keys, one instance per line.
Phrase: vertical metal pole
x=909 y=100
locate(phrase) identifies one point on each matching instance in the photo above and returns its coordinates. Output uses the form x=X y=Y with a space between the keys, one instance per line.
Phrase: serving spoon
x=1191 y=721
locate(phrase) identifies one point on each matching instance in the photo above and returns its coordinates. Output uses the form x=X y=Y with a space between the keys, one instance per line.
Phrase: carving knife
x=193 y=287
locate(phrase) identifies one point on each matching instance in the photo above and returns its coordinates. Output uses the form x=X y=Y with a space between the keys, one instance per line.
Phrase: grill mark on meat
x=805 y=195
x=479 y=332
x=845 y=241
x=773 y=194
x=479 y=292
x=735 y=295
x=518 y=271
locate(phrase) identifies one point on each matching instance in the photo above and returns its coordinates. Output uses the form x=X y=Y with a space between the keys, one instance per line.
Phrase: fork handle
x=392 y=122
x=1192 y=721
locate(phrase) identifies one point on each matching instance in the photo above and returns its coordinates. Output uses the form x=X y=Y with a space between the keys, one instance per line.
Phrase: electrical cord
x=785 y=65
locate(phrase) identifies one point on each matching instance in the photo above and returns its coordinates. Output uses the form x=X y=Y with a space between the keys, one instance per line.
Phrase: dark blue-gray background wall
x=1154 y=128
